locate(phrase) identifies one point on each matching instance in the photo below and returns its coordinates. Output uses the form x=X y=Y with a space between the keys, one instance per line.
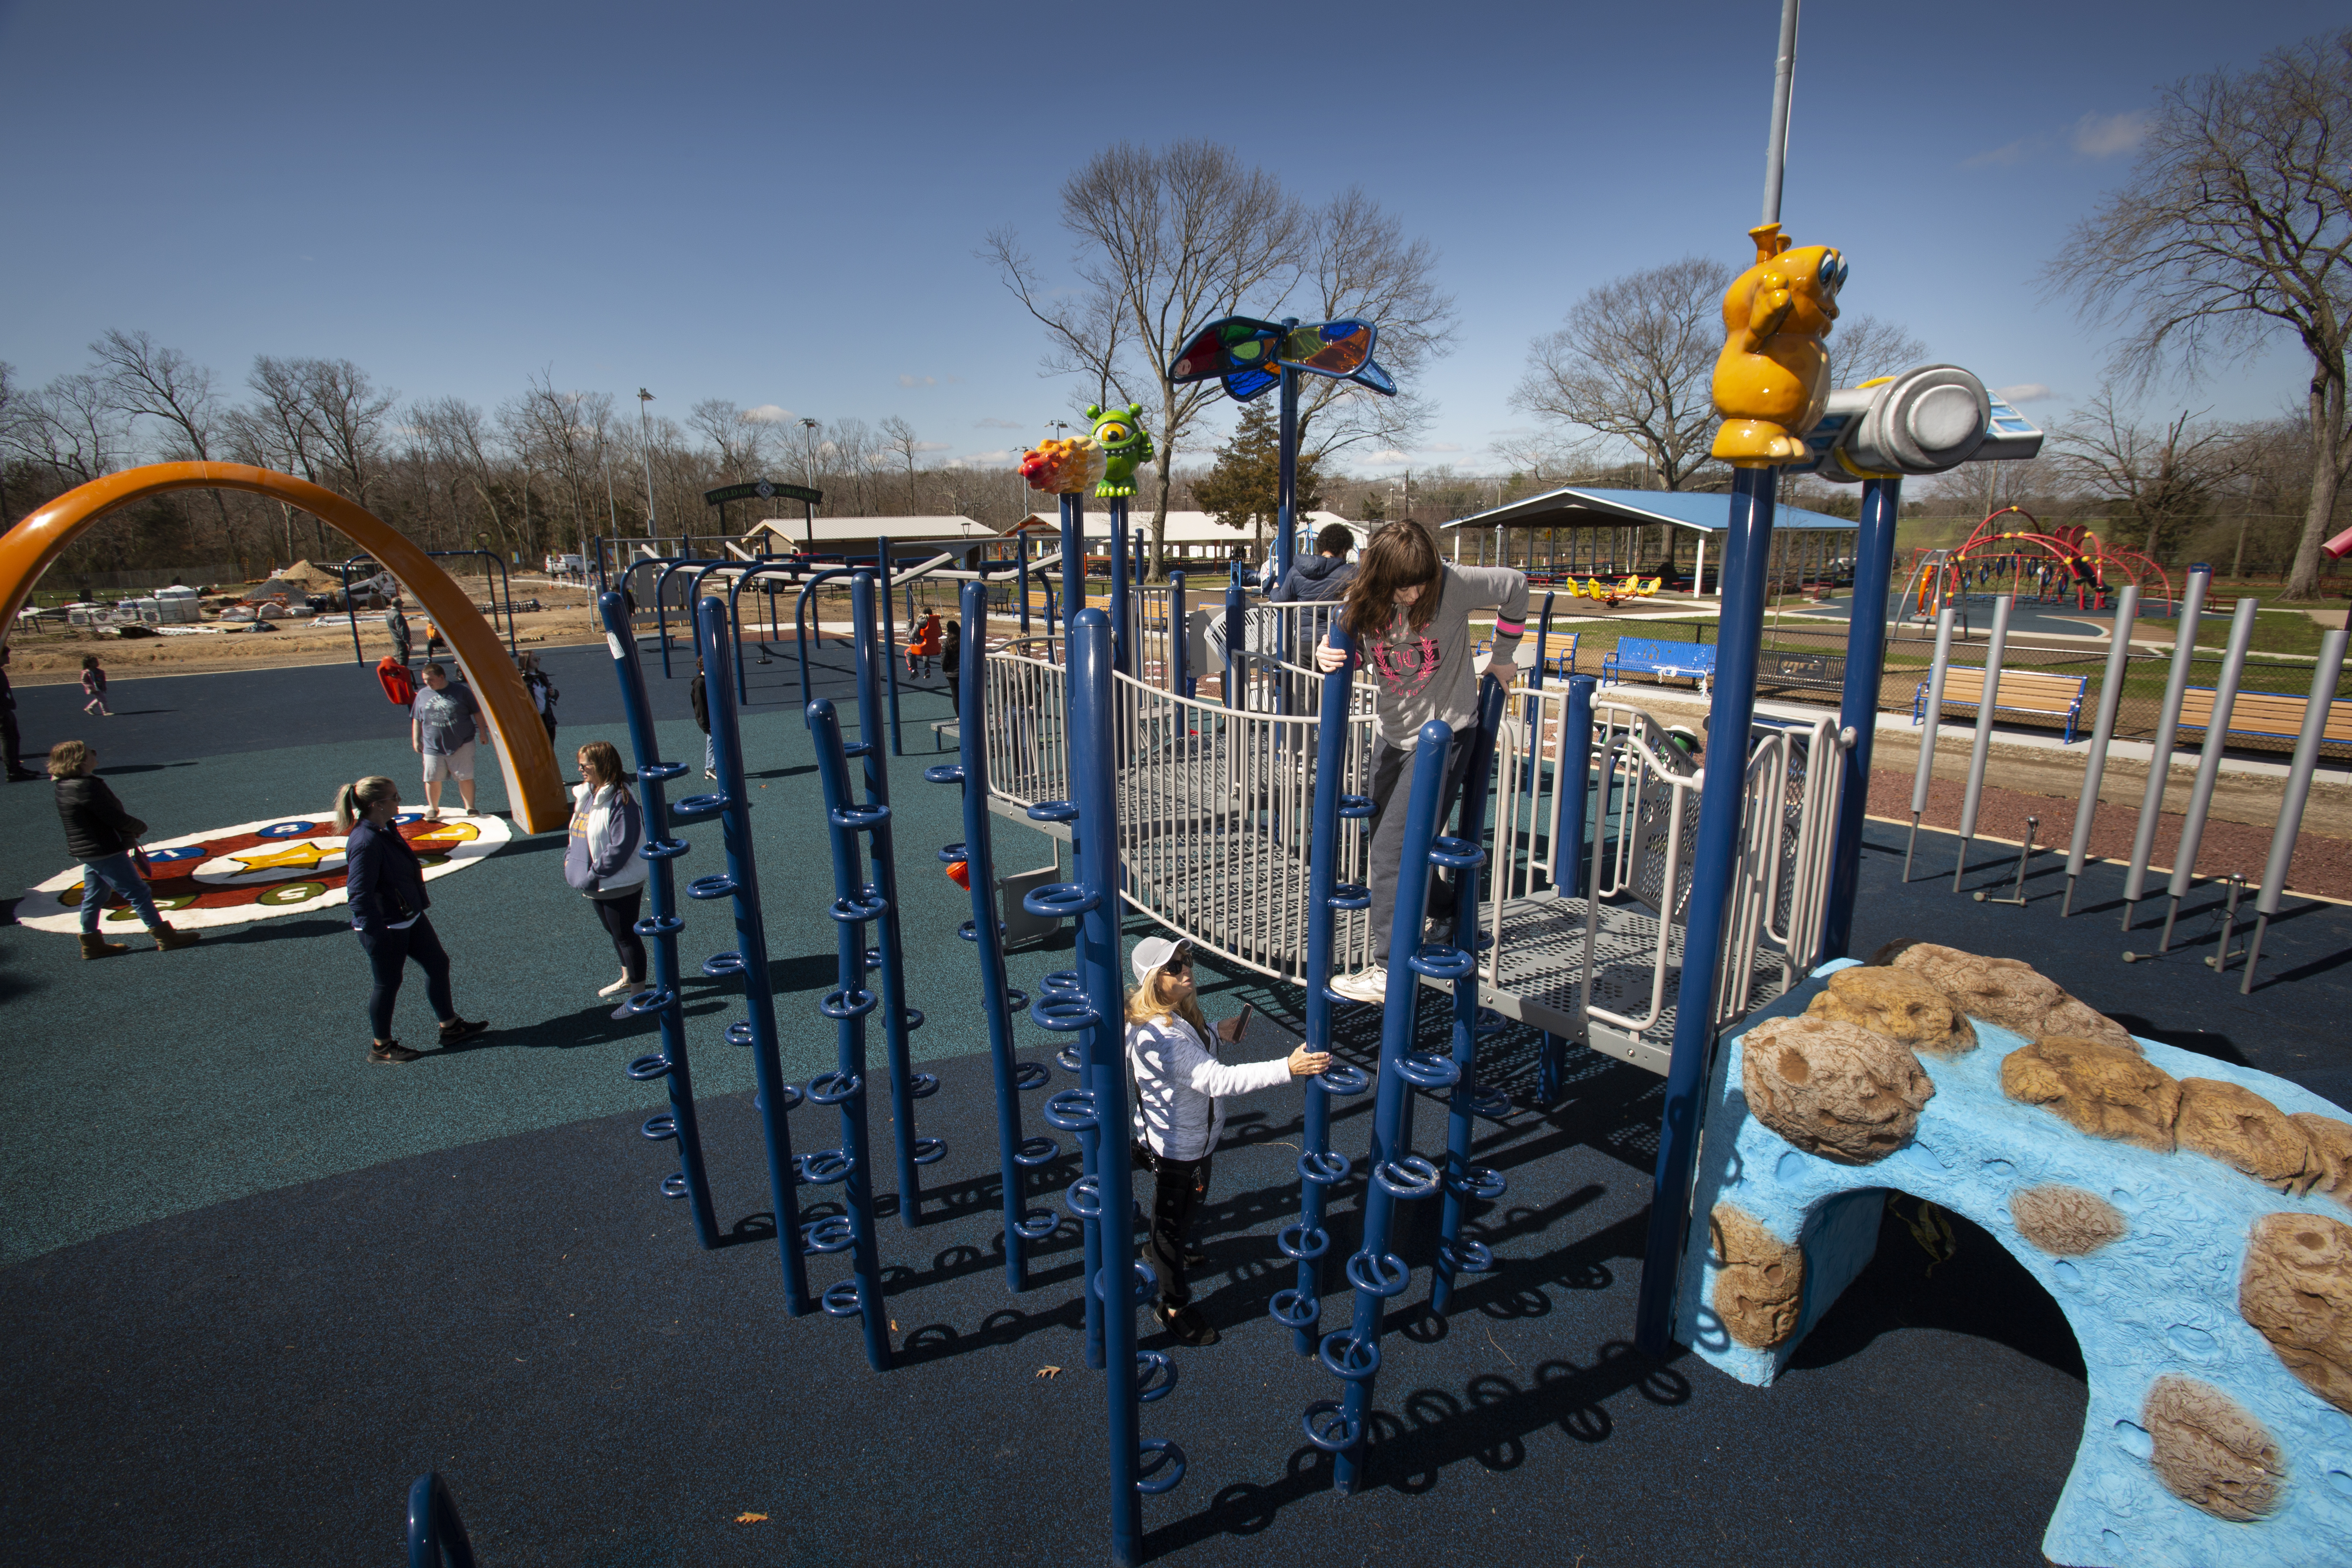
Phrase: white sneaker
x=623 y=984
x=1365 y=985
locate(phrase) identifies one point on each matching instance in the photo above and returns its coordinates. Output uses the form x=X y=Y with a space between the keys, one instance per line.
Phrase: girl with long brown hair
x=601 y=858
x=385 y=881
x=1408 y=611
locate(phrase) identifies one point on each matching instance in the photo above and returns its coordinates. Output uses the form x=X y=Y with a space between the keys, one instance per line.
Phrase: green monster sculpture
x=1125 y=445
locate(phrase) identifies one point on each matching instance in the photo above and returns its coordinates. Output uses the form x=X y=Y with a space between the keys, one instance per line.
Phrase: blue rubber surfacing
x=258 y=1285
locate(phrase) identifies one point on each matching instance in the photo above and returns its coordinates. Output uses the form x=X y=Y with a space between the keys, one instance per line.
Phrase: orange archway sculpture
x=525 y=756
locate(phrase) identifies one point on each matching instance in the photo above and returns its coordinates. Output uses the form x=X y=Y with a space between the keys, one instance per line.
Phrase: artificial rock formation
x=1762 y=1283
x=2097 y=1088
x=2005 y=991
x=2066 y=1220
x=2331 y=1154
x=2296 y=1291
x=1906 y=1007
x=2210 y=1452
x=2242 y=1130
x=1834 y=1089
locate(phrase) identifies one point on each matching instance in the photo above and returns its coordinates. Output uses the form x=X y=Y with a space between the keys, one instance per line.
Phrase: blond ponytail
x=355 y=799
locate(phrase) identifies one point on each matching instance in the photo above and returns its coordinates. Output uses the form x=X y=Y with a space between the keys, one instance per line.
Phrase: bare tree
x=1168 y=240
x=2165 y=477
x=742 y=443
x=2237 y=223
x=456 y=433
x=72 y=427
x=150 y=381
x=849 y=451
x=1359 y=264
x=1865 y=348
x=899 y=440
x=1633 y=364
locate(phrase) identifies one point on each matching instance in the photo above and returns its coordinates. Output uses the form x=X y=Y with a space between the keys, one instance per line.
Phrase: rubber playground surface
x=257 y=1286
x=2045 y=620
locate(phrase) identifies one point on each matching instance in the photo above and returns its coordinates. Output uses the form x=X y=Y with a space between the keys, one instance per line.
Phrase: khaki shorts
x=457 y=764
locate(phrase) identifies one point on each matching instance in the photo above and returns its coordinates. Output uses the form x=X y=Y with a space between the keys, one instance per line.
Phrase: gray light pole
x=646 y=451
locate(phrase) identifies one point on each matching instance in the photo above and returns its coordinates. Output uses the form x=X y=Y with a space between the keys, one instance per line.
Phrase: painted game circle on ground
x=256 y=870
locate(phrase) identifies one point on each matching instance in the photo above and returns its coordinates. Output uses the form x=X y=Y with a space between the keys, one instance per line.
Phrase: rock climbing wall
x=2193 y=1219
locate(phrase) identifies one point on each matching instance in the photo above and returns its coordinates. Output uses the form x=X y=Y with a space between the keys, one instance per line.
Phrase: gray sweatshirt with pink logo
x=1427 y=674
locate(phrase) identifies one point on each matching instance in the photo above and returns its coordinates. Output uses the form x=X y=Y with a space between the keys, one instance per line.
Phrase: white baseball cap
x=1153 y=953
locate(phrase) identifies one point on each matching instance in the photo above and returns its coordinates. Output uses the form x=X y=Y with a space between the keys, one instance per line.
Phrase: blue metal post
x=1300 y=1308
x=1747 y=552
x=855 y=902
x=866 y=724
x=1074 y=557
x=1236 y=634
x=1119 y=1280
x=1543 y=643
x=661 y=612
x=1021 y=577
x=1286 y=495
x=907 y=1086
x=741 y=882
x=1573 y=789
x=1865 y=661
x=1466 y=853
x=1015 y=1154
x=1142 y=559
x=662 y=926
x=1180 y=648
x=1122 y=656
x=1353 y=1353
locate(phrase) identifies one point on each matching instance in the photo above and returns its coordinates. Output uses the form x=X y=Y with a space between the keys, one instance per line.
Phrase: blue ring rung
x=1072 y=1111
x=699 y=808
x=1490 y=1022
x=659 y=1128
x=1488 y=1100
x=1083 y=1197
x=1479 y=1181
x=1032 y=1153
x=1054 y=811
x=838 y=1087
x=921 y=1085
x=1325 y=1168
x=929 y=1151
x=1062 y=981
x=1160 y=1466
x=659 y=925
x=944 y=772
x=1351 y=896
x=1060 y=900
x=839 y=1004
x=1440 y=961
x=662 y=773
x=674 y=1185
x=822 y=1167
x=873 y=954
x=1014 y=997
x=644 y=1069
x=1343 y=1077
x=1069 y=1059
x=1354 y=1359
x=1155 y=1376
x=835 y=1233
x=1456 y=854
x=1310 y=1243
x=951 y=854
x=739 y=1032
x=1464 y=1256
x=1027 y=1076
x=1383 y=1275
x=1333 y=1433
x=843 y=1301
x=1037 y=1224
x=1063 y=1015
x=791 y=1098
x=646 y=1001
x=1356 y=805
x=718 y=885
x=719 y=964
x=1143 y=1283
x=849 y=912
x=857 y=748
x=858 y=819
x=1409 y=1176
x=665 y=848
x=1293 y=1310
x=1429 y=1070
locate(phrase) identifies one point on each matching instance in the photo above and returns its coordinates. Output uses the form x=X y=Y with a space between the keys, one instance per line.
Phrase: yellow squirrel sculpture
x=1772 y=379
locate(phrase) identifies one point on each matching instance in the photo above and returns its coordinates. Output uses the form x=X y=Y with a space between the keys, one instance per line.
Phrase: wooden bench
x=2274 y=715
x=2035 y=691
x=1649 y=656
x=1813 y=672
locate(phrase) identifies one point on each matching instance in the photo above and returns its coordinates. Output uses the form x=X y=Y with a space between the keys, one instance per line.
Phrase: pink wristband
x=1504 y=629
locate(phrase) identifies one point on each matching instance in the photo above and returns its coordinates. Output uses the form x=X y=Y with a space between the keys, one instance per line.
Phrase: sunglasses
x=1179 y=963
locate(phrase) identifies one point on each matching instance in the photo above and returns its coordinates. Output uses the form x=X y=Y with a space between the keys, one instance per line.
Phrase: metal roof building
x=1583 y=532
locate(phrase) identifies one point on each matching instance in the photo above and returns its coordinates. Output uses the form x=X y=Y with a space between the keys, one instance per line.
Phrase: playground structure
x=2067 y=563
x=524 y=753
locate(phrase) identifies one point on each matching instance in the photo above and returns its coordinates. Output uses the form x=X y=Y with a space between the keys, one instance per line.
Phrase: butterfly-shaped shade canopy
x=1249 y=356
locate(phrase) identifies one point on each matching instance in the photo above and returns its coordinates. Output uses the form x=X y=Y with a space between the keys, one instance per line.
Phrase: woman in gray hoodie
x=601 y=858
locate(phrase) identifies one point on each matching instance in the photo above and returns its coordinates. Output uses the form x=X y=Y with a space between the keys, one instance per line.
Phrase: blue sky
x=779 y=203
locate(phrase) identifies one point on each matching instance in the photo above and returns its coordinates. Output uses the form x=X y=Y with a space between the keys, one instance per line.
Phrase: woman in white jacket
x=1181 y=1089
x=600 y=857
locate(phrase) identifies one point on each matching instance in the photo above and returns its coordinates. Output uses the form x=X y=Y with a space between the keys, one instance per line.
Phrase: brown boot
x=167 y=940
x=94 y=946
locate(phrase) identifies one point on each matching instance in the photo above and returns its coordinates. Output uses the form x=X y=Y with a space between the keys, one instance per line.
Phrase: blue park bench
x=1649 y=655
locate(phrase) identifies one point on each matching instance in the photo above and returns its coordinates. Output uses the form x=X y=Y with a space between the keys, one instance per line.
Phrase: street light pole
x=646 y=451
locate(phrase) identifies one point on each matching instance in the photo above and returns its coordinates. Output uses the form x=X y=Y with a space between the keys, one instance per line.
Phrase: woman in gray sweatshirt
x=1409 y=614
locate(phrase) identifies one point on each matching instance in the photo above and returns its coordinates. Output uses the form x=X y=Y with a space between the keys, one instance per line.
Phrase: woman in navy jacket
x=385 y=882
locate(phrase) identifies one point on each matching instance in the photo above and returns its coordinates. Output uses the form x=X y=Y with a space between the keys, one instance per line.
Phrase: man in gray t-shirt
x=441 y=731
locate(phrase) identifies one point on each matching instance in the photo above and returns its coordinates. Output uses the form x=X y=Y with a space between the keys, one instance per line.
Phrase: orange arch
x=527 y=760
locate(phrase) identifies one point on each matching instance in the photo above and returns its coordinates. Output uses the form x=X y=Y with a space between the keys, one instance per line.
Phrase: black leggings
x=388 y=954
x=620 y=918
x=1176 y=1188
